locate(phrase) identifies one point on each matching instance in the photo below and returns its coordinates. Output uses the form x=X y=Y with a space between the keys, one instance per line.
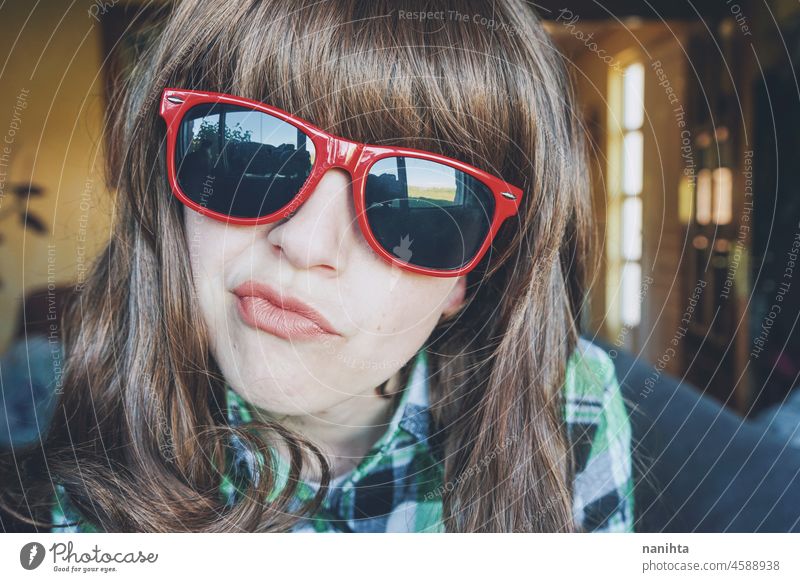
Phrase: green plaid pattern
x=397 y=486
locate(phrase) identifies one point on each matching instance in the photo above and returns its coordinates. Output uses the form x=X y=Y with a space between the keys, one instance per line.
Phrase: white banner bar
x=405 y=557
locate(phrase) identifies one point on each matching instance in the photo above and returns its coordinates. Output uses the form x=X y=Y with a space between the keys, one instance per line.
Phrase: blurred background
x=692 y=113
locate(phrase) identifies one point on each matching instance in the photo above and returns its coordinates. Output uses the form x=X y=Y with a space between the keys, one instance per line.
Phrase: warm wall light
x=703 y=203
x=633 y=96
x=700 y=242
x=632 y=228
x=685 y=196
x=722 y=195
x=630 y=301
x=632 y=162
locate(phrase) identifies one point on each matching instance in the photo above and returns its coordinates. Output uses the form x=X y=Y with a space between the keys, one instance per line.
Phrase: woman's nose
x=319 y=233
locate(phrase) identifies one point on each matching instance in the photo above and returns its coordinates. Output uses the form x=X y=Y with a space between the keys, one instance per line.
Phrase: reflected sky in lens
x=436 y=180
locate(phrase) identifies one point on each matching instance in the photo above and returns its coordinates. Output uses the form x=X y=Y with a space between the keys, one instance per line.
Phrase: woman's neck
x=344 y=433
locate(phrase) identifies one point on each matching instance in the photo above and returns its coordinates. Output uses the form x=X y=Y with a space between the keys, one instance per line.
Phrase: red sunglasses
x=248 y=163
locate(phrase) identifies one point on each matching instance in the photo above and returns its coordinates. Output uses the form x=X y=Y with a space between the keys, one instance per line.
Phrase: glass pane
x=632 y=160
x=630 y=302
x=259 y=144
x=685 y=199
x=633 y=96
x=722 y=202
x=703 y=206
x=632 y=228
x=427 y=213
x=421 y=183
x=241 y=162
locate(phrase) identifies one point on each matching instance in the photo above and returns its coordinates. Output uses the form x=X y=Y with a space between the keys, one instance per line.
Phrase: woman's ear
x=455 y=300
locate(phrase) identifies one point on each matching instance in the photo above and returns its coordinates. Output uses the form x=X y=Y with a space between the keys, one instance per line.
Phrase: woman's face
x=379 y=315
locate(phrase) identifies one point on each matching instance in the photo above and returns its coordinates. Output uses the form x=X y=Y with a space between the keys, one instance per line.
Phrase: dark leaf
x=26 y=190
x=33 y=222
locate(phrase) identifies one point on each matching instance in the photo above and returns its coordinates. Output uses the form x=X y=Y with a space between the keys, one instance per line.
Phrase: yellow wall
x=53 y=57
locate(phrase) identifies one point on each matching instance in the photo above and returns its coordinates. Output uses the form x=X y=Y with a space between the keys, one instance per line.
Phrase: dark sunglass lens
x=426 y=213
x=241 y=162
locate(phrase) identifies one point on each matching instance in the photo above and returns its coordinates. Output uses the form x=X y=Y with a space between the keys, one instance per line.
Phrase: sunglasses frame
x=332 y=152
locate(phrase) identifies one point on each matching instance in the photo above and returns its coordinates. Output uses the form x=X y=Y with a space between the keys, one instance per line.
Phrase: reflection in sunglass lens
x=241 y=162
x=426 y=213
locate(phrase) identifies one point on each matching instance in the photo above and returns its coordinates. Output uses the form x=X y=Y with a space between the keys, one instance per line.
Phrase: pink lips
x=263 y=308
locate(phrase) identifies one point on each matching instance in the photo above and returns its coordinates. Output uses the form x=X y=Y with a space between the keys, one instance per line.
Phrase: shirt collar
x=410 y=418
x=412 y=414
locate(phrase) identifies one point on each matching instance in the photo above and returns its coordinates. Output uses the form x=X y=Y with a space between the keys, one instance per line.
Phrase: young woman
x=343 y=287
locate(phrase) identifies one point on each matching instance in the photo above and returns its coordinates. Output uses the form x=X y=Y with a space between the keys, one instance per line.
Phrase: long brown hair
x=140 y=432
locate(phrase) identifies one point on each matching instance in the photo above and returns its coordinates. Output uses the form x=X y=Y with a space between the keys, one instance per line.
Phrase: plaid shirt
x=397 y=486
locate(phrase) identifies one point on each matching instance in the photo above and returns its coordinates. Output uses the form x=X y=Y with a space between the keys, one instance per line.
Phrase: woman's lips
x=261 y=307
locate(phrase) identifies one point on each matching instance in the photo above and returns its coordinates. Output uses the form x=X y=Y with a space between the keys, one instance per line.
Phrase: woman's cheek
x=398 y=323
x=209 y=254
